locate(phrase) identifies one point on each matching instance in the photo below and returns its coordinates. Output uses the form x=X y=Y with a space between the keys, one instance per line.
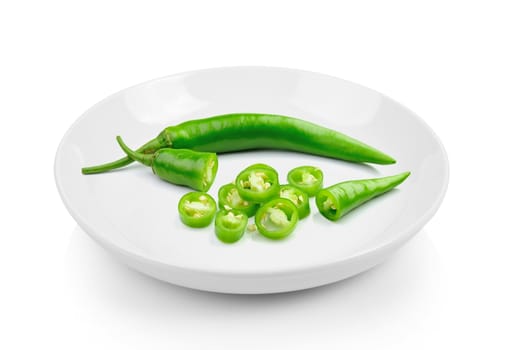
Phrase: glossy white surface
x=134 y=215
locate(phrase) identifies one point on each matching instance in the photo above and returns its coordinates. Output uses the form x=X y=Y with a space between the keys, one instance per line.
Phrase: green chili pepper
x=258 y=183
x=228 y=198
x=307 y=178
x=197 y=209
x=276 y=219
x=245 y=131
x=179 y=166
x=299 y=198
x=230 y=225
x=337 y=200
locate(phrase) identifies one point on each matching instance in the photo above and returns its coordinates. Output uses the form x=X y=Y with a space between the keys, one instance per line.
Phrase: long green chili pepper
x=245 y=131
x=179 y=166
x=335 y=201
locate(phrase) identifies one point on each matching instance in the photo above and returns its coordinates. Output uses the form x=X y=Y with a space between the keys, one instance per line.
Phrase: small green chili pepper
x=228 y=198
x=337 y=200
x=299 y=198
x=307 y=178
x=230 y=225
x=258 y=183
x=245 y=131
x=276 y=219
x=197 y=209
x=179 y=166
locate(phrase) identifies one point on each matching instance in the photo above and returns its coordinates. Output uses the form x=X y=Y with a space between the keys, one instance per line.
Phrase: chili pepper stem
x=146 y=159
x=97 y=169
x=150 y=147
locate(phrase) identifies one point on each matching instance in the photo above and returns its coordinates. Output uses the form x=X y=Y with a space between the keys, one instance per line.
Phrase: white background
x=444 y=60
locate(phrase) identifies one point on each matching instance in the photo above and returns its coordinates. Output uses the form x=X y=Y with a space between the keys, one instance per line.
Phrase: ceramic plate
x=133 y=214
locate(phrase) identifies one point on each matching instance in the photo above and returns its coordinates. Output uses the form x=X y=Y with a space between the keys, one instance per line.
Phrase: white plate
x=134 y=215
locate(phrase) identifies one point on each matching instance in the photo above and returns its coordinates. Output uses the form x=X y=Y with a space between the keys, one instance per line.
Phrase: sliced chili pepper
x=230 y=225
x=299 y=198
x=229 y=198
x=307 y=178
x=258 y=183
x=236 y=132
x=337 y=200
x=197 y=209
x=179 y=166
x=277 y=218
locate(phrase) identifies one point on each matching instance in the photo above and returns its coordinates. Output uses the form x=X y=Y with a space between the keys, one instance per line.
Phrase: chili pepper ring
x=258 y=183
x=230 y=225
x=307 y=178
x=299 y=198
x=229 y=198
x=197 y=209
x=277 y=218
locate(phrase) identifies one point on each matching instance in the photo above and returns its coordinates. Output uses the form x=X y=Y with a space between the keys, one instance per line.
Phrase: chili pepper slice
x=299 y=198
x=277 y=218
x=197 y=209
x=335 y=201
x=258 y=183
x=307 y=178
x=179 y=166
x=230 y=225
x=245 y=131
x=229 y=198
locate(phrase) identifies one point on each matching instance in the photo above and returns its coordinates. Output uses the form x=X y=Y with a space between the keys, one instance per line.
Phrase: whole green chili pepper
x=299 y=198
x=197 y=209
x=337 y=200
x=229 y=198
x=277 y=218
x=307 y=178
x=179 y=166
x=230 y=225
x=258 y=183
x=245 y=131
